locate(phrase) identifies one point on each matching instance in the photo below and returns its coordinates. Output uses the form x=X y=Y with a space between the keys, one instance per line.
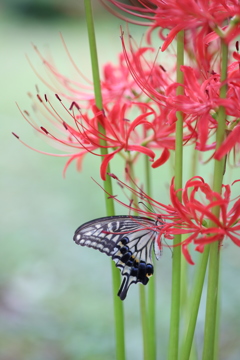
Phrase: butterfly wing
x=128 y=240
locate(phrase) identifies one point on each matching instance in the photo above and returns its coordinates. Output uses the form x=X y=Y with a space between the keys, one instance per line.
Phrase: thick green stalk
x=212 y=291
x=194 y=304
x=152 y=283
x=176 y=264
x=118 y=305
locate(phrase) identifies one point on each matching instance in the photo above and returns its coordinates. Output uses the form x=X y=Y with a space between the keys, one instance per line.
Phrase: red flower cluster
x=197 y=218
x=193 y=217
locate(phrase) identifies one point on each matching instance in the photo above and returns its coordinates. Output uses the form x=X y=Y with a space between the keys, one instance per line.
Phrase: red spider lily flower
x=81 y=133
x=180 y=15
x=195 y=212
x=201 y=101
x=192 y=217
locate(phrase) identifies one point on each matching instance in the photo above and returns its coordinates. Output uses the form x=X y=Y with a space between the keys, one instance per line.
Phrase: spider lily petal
x=162 y=159
x=232 y=140
x=105 y=162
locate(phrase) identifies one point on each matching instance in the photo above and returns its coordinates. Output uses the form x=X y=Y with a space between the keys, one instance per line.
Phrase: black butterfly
x=129 y=240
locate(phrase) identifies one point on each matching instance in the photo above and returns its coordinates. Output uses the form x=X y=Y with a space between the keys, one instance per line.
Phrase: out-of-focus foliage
x=47 y=10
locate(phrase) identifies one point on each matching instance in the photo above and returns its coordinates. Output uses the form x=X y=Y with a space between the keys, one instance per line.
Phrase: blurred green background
x=55 y=297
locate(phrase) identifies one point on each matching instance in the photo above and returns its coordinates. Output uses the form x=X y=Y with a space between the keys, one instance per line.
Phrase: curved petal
x=105 y=162
x=235 y=239
x=140 y=120
x=162 y=159
x=228 y=143
x=187 y=254
x=141 y=149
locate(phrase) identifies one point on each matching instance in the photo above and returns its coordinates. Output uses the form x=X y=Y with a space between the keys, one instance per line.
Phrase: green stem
x=176 y=264
x=184 y=283
x=216 y=340
x=184 y=264
x=144 y=321
x=118 y=305
x=185 y=301
x=194 y=304
x=93 y=53
x=212 y=291
x=147 y=176
x=142 y=294
x=151 y=285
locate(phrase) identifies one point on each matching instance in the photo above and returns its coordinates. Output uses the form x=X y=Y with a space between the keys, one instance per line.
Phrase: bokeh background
x=55 y=297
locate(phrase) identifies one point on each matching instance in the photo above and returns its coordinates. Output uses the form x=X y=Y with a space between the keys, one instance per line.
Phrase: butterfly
x=129 y=240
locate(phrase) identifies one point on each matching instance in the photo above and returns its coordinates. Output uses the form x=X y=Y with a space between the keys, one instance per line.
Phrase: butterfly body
x=129 y=240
